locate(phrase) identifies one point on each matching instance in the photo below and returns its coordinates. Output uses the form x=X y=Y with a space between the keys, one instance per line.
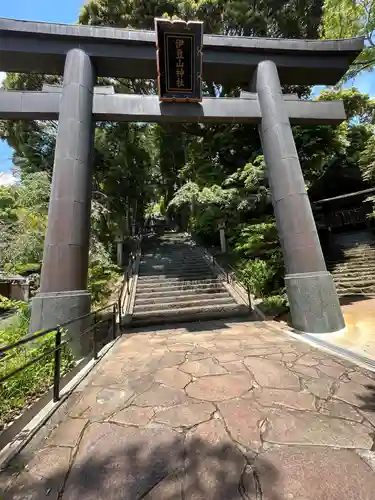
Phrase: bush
x=204 y=227
x=274 y=305
x=255 y=238
x=27 y=269
x=9 y=304
x=26 y=386
x=256 y=275
x=102 y=272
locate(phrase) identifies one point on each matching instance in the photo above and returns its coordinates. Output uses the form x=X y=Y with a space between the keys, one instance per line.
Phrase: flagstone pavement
x=217 y=410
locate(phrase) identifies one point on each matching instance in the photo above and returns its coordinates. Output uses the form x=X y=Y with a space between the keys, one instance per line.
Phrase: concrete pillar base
x=313 y=301
x=54 y=308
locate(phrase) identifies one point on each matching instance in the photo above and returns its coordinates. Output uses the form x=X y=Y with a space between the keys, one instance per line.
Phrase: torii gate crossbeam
x=29 y=105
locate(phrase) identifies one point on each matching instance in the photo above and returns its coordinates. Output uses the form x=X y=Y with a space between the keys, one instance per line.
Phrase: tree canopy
x=348 y=18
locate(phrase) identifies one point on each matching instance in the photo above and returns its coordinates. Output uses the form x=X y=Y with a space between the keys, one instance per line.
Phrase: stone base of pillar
x=51 y=309
x=313 y=301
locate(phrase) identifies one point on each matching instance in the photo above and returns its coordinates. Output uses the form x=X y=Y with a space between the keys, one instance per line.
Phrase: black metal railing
x=62 y=342
x=231 y=275
x=95 y=321
x=129 y=273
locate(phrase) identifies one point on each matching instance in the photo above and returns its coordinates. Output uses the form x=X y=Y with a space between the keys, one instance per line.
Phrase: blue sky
x=66 y=11
x=58 y=11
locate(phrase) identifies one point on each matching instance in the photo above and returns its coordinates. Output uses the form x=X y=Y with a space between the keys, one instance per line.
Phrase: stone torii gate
x=81 y=53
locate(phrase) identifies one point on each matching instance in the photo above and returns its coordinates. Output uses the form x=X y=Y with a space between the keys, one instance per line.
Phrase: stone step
x=358 y=259
x=338 y=278
x=359 y=250
x=350 y=292
x=352 y=265
x=353 y=271
x=355 y=256
x=171 y=287
x=347 y=283
x=162 y=278
x=181 y=304
x=353 y=278
x=177 y=271
x=159 y=264
x=170 y=258
x=358 y=269
x=184 y=297
x=352 y=258
x=360 y=275
x=176 y=292
x=179 y=282
x=353 y=290
x=189 y=314
x=173 y=265
x=356 y=283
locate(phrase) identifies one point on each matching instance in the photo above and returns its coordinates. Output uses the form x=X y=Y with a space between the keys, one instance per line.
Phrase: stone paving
x=218 y=410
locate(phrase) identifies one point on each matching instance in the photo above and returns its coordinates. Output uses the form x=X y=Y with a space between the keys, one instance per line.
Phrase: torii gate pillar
x=313 y=300
x=63 y=288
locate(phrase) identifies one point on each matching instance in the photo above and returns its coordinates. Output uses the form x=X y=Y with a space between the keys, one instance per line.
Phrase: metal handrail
x=42 y=333
x=59 y=343
x=229 y=275
x=129 y=273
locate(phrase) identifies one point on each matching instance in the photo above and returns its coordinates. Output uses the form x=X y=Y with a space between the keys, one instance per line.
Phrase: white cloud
x=6 y=179
x=2 y=77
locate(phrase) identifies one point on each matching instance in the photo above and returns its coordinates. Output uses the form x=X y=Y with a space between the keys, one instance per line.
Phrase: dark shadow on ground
x=192 y=327
x=351 y=299
x=176 y=470
x=368 y=399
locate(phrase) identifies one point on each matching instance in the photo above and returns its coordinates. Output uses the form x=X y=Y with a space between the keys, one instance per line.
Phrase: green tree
x=349 y=18
x=23 y=230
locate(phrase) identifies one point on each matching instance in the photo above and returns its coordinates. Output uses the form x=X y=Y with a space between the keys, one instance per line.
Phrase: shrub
x=9 y=304
x=22 y=389
x=256 y=274
x=274 y=305
x=27 y=269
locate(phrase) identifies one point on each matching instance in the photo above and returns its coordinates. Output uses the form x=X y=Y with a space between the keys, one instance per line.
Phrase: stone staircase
x=175 y=283
x=354 y=271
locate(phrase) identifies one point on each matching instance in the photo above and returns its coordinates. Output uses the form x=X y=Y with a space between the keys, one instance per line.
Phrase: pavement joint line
x=34 y=425
x=361 y=361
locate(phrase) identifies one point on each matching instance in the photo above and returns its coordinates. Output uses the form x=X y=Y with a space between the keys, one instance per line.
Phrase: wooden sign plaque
x=179 y=60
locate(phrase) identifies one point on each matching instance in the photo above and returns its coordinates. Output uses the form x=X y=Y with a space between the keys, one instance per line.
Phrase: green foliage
x=348 y=18
x=204 y=226
x=27 y=269
x=258 y=18
x=23 y=221
x=367 y=159
x=357 y=105
x=274 y=305
x=8 y=304
x=102 y=272
x=256 y=275
x=260 y=260
x=25 y=387
x=256 y=238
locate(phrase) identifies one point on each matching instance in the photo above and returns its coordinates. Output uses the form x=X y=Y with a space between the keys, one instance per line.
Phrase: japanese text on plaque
x=180 y=65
